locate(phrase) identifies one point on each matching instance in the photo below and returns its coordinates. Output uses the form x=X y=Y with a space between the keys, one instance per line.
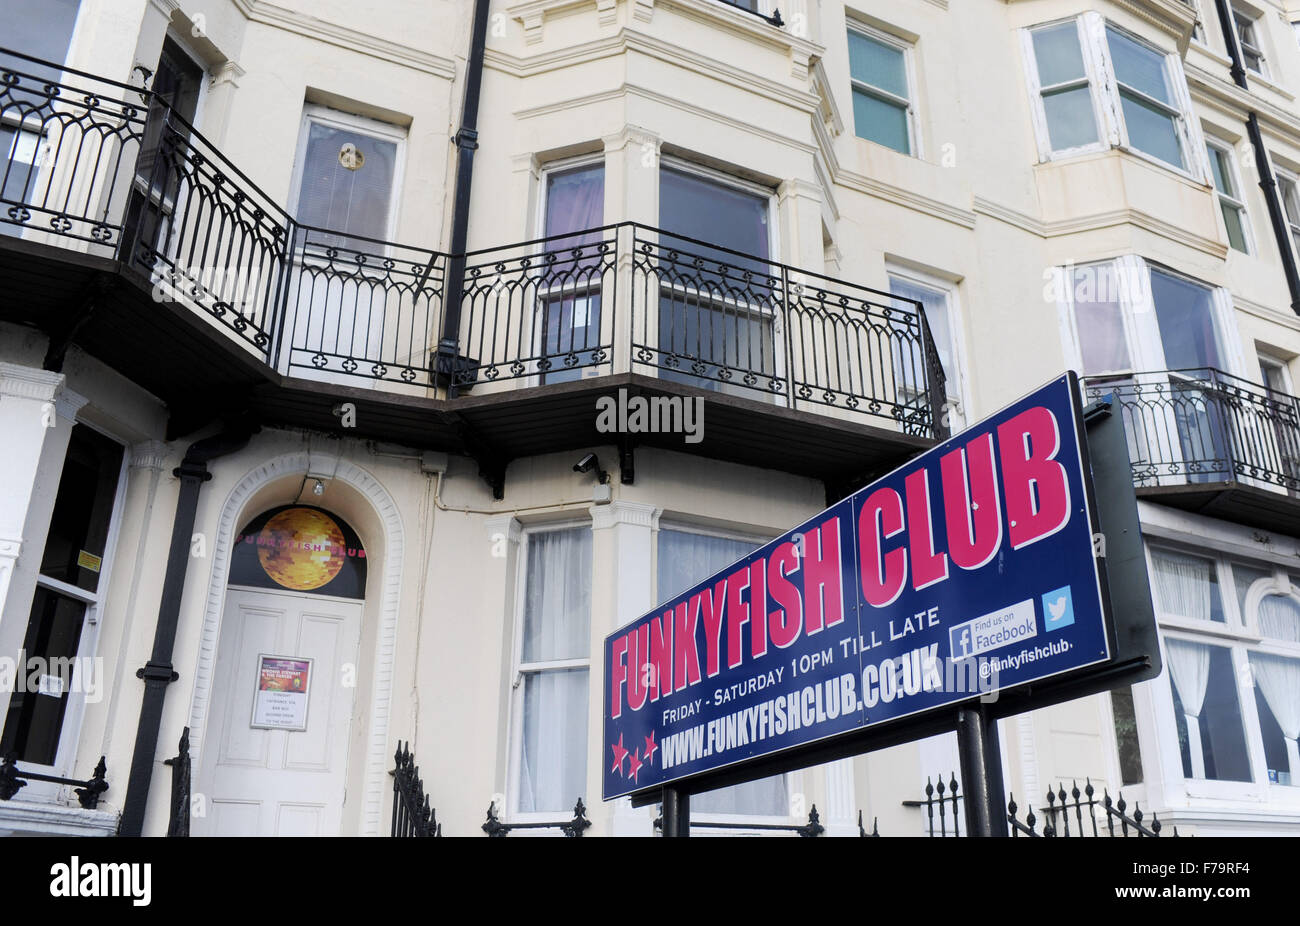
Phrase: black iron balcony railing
x=1201 y=426
x=121 y=175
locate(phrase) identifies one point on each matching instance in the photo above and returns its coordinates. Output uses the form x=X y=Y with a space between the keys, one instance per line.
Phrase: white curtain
x=1183 y=588
x=1279 y=678
x=557 y=620
x=684 y=559
x=1182 y=584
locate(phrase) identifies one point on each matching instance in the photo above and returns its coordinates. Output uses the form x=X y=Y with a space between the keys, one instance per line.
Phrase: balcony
x=1205 y=441
x=124 y=231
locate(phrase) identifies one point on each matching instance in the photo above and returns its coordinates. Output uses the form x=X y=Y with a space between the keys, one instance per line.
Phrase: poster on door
x=280 y=702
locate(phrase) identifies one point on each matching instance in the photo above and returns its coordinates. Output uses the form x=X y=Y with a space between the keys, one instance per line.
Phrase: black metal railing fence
x=1203 y=425
x=138 y=179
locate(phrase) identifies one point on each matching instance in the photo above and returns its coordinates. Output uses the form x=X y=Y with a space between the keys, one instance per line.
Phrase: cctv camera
x=586 y=464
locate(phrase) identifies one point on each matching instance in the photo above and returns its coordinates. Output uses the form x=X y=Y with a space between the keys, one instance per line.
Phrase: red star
x=619 y=755
x=634 y=764
x=650 y=746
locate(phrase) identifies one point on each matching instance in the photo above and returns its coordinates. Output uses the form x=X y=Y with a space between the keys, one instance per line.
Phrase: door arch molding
x=233 y=515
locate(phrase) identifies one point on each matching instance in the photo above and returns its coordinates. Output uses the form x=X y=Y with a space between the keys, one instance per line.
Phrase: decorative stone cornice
x=20 y=382
x=506 y=525
x=632 y=135
x=614 y=513
x=69 y=403
x=149 y=454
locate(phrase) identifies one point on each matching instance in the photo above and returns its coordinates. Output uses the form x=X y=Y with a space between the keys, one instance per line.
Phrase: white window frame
x=1105 y=92
x=1091 y=67
x=1141 y=329
x=544 y=174
x=1289 y=190
x=793 y=786
x=88 y=644
x=519 y=668
x=780 y=361
x=1240 y=636
x=1238 y=201
x=315 y=112
x=958 y=386
x=1247 y=22
x=1269 y=358
x=1198 y=28
x=909 y=70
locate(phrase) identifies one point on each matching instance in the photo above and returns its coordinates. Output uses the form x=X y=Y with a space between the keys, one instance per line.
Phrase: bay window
x=552 y=672
x=1129 y=315
x=1095 y=85
x=1231 y=636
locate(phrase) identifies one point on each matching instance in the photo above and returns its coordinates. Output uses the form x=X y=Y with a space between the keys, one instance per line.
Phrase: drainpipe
x=157 y=673
x=1267 y=181
x=466 y=141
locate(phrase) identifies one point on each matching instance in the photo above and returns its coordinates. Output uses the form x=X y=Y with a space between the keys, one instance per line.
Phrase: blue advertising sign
x=969 y=570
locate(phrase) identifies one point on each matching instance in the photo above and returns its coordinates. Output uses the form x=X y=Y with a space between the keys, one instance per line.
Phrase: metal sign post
x=676 y=813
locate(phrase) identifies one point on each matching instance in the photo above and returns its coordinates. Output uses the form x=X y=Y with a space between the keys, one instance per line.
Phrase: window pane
x=685 y=558
x=1277 y=699
x=1057 y=52
x=557 y=596
x=553 y=753
x=1151 y=130
x=1137 y=66
x=34 y=720
x=1219 y=168
x=351 y=201
x=178 y=81
x=1286 y=186
x=766 y=797
x=1206 y=712
x=1233 y=223
x=575 y=200
x=1071 y=122
x=1126 y=738
x=1185 y=314
x=878 y=64
x=699 y=208
x=75 y=545
x=1279 y=618
x=40 y=28
x=1186 y=586
x=1099 y=320
x=1243 y=577
x=881 y=121
x=935 y=304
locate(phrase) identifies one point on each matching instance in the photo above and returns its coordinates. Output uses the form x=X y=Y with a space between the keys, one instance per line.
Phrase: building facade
x=258 y=405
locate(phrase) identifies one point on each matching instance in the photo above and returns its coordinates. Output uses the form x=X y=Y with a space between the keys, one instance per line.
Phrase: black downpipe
x=1230 y=39
x=1267 y=181
x=158 y=673
x=1276 y=216
x=466 y=141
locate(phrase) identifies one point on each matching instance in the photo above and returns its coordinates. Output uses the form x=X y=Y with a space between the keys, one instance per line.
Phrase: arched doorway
x=284 y=677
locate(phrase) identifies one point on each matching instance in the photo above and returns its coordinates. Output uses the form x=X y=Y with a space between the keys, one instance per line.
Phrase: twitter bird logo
x=1058 y=609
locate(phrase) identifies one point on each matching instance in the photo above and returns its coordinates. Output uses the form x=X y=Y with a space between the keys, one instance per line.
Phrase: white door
x=264 y=782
